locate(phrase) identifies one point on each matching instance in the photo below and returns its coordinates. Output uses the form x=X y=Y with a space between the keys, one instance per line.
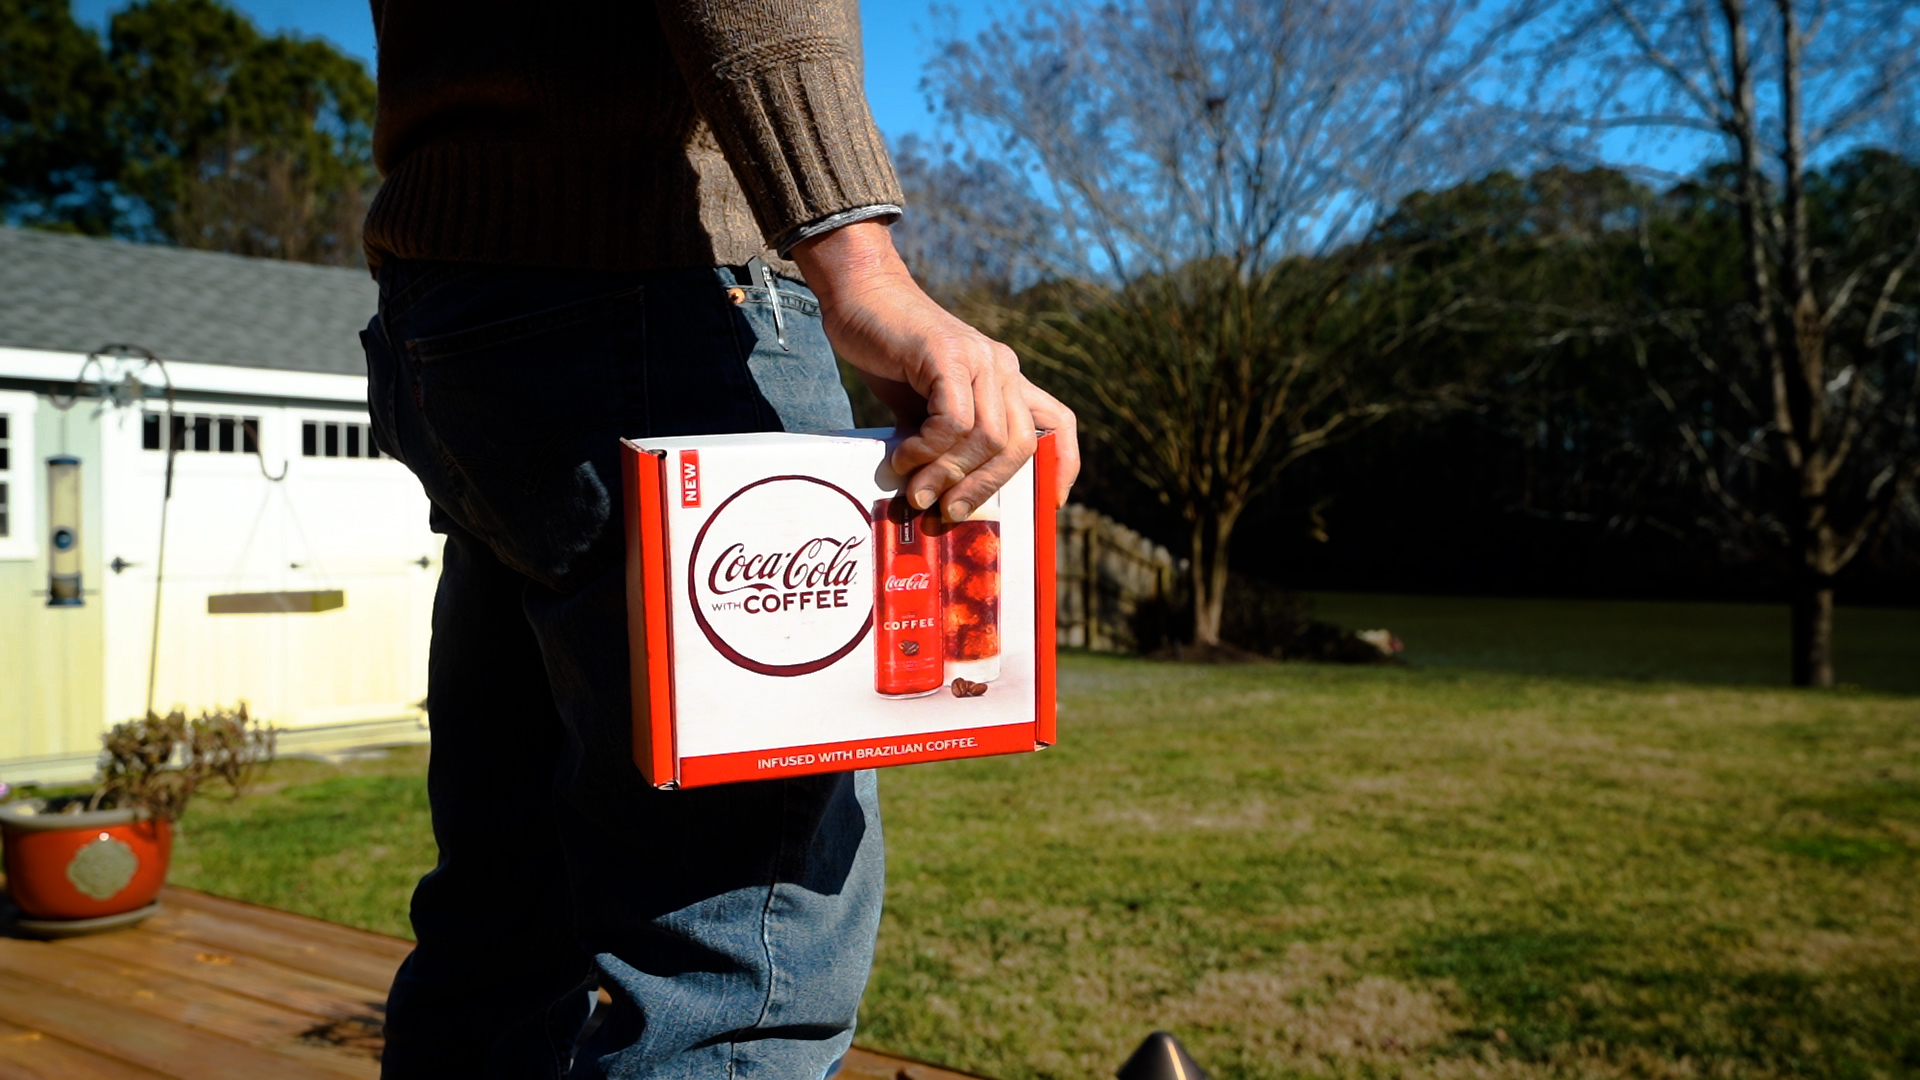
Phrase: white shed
x=299 y=568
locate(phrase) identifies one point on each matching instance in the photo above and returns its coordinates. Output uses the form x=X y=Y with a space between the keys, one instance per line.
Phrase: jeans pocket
x=525 y=412
x=797 y=378
x=503 y=397
x=383 y=379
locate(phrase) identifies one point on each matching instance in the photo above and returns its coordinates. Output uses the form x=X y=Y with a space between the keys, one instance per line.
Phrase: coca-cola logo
x=909 y=583
x=780 y=577
x=823 y=562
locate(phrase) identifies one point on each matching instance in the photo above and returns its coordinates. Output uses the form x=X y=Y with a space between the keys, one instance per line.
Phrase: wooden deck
x=212 y=989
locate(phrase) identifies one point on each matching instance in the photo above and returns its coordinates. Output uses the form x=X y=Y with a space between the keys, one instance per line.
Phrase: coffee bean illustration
x=968 y=688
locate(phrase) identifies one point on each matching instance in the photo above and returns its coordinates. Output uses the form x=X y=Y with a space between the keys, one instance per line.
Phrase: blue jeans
x=733 y=926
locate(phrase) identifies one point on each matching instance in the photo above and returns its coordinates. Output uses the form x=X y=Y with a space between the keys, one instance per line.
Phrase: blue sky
x=898 y=40
x=900 y=37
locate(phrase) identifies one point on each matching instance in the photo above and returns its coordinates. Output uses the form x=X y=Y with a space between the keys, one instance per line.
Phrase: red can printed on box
x=907 y=654
x=789 y=612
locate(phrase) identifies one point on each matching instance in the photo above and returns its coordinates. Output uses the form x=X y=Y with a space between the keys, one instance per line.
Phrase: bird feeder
x=63 y=532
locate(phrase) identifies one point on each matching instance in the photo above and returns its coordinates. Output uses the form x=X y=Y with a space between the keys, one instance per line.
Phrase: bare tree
x=265 y=203
x=1206 y=383
x=972 y=224
x=1210 y=168
x=1824 y=376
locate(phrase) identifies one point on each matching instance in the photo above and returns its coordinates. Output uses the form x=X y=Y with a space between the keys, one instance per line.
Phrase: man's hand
x=975 y=412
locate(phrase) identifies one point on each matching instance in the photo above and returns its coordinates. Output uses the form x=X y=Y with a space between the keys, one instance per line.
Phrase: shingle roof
x=75 y=294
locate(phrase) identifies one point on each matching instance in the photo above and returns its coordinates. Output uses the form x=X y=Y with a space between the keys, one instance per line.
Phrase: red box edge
x=1046 y=467
x=992 y=741
x=653 y=744
x=651 y=668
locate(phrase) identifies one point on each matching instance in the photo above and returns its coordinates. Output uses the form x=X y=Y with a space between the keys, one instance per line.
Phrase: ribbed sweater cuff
x=886 y=213
x=799 y=137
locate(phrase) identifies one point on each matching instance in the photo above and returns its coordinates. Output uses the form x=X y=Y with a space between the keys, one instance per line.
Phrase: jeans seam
x=450 y=347
x=396 y=372
x=766 y=917
x=400 y=299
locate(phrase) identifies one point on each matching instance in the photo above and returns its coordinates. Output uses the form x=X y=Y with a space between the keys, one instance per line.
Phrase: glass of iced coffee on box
x=970 y=594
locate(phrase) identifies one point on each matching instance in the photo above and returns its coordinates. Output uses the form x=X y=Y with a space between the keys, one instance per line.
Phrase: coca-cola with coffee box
x=790 y=612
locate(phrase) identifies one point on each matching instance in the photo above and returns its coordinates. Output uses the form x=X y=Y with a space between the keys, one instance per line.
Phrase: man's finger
x=981 y=482
x=908 y=407
x=947 y=419
x=1050 y=415
x=936 y=436
x=986 y=439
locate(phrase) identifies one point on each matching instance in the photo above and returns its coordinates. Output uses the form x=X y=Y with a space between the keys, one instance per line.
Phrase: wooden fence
x=1105 y=572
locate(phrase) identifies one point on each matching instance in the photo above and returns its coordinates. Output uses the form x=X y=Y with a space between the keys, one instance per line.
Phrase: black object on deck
x=1161 y=1057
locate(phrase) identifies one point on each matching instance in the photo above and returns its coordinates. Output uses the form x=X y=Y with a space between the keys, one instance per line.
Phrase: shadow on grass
x=1543 y=995
x=1729 y=644
x=1851 y=852
x=1868 y=804
x=1854 y=827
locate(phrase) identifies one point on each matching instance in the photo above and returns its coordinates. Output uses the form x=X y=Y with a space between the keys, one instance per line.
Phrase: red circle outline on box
x=739 y=659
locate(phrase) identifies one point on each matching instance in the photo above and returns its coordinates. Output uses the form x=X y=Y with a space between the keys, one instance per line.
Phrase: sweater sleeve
x=779 y=82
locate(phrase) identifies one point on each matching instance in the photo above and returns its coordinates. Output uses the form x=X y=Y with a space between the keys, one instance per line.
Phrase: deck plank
x=166 y=997
x=212 y=989
x=142 y=1039
x=312 y=929
x=33 y=1055
x=864 y=1064
x=284 y=946
x=260 y=979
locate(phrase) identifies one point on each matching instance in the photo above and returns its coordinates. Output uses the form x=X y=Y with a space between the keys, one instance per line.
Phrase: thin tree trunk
x=1816 y=558
x=1796 y=361
x=1222 y=536
x=1207 y=613
x=1205 y=631
x=1210 y=575
x=1206 y=623
x=1812 y=628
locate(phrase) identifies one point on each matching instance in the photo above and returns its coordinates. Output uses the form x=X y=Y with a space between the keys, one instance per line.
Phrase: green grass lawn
x=343 y=843
x=1317 y=871
x=1874 y=648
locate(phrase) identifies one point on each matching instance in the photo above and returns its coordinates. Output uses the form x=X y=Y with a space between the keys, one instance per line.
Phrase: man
x=587 y=211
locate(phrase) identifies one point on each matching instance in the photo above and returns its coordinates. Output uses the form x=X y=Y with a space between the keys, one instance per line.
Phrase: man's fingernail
x=959 y=510
x=921 y=499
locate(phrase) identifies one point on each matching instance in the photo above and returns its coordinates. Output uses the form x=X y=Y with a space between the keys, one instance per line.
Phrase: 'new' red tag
x=690 y=478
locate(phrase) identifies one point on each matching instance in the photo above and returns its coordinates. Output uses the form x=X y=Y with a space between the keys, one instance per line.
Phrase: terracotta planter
x=88 y=866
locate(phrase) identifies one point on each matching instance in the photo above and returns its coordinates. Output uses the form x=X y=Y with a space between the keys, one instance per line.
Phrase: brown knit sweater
x=617 y=134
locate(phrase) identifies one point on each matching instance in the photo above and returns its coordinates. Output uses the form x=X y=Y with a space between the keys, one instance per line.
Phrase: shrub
x=158 y=763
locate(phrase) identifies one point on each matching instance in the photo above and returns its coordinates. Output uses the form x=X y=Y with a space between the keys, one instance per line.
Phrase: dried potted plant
x=81 y=863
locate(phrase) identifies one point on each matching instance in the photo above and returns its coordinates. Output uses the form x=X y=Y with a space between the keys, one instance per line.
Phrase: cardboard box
x=789 y=614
